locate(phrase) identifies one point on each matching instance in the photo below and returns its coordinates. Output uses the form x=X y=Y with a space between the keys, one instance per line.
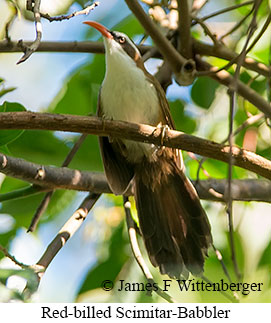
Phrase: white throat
x=126 y=94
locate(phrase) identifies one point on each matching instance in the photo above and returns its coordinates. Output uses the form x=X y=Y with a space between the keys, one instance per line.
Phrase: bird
x=174 y=226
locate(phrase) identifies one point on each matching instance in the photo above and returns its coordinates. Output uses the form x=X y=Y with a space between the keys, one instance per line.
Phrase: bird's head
x=116 y=42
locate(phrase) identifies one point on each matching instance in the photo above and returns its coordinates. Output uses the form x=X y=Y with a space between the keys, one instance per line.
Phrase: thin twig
x=14 y=8
x=39 y=212
x=233 y=299
x=198 y=5
x=137 y=253
x=206 y=30
x=228 y=195
x=262 y=31
x=84 y=11
x=28 y=51
x=12 y=258
x=236 y=58
x=22 y=192
x=232 y=95
x=220 y=259
x=46 y=200
x=225 y=10
x=250 y=121
x=237 y=25
x=243 y=90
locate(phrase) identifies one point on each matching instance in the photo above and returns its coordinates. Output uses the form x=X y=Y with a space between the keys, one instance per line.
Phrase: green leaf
x=265 y=259
x=4 y=150
x=5 y=91
x=182 y=121
x=28 y=274
x=203 y=92
x=130 y=26
x=41 y=147
x=7 y=136
x=80 y=93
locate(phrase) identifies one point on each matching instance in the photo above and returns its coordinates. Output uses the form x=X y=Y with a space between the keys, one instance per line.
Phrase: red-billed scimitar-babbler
x=173 y=224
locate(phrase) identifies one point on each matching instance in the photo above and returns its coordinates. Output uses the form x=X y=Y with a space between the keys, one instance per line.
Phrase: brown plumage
x=174 y=225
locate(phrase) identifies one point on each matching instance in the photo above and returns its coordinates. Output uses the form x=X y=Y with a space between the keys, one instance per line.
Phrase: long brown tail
x=173 y=223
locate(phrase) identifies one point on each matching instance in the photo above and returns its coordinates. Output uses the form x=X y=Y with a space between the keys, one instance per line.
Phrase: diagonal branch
x=46 y=200
x=65 y=233
x=136 y=132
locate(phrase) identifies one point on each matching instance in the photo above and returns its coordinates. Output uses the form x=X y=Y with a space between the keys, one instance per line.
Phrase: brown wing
x=117 y=170
x=165 y=113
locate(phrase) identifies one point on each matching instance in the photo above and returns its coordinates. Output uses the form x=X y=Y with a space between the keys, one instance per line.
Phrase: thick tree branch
x=136 y=132
x=65 y=178
x=199 y=47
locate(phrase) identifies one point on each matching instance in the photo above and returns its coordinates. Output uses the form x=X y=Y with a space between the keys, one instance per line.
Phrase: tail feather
x=174 y=226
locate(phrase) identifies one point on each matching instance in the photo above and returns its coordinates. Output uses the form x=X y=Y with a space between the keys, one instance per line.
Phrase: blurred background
x=69 y=83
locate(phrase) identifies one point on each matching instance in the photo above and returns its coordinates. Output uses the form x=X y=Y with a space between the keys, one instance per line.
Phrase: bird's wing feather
x=118 y=171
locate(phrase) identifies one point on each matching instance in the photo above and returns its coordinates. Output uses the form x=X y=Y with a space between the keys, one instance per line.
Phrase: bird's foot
x=163 y=131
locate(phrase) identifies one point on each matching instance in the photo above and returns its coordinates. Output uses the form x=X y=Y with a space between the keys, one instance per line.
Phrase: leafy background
x=69 y=83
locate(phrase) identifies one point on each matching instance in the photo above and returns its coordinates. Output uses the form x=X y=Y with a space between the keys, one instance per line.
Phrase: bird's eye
x=121 y=39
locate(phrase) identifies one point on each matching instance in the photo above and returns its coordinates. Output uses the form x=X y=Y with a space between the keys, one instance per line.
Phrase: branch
x=224 y=52
x=136 y=132
x=98 y=48
x=65 y=233
x=84 y=11
x=46 y=199
x=227 y=9
x=12 y=258
x=232 y=96
x=65 y=178
x=245 y=91
x=163 y=44
x=184 y=28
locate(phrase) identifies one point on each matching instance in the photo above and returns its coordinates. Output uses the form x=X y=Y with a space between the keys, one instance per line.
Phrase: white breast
x=127 y=95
